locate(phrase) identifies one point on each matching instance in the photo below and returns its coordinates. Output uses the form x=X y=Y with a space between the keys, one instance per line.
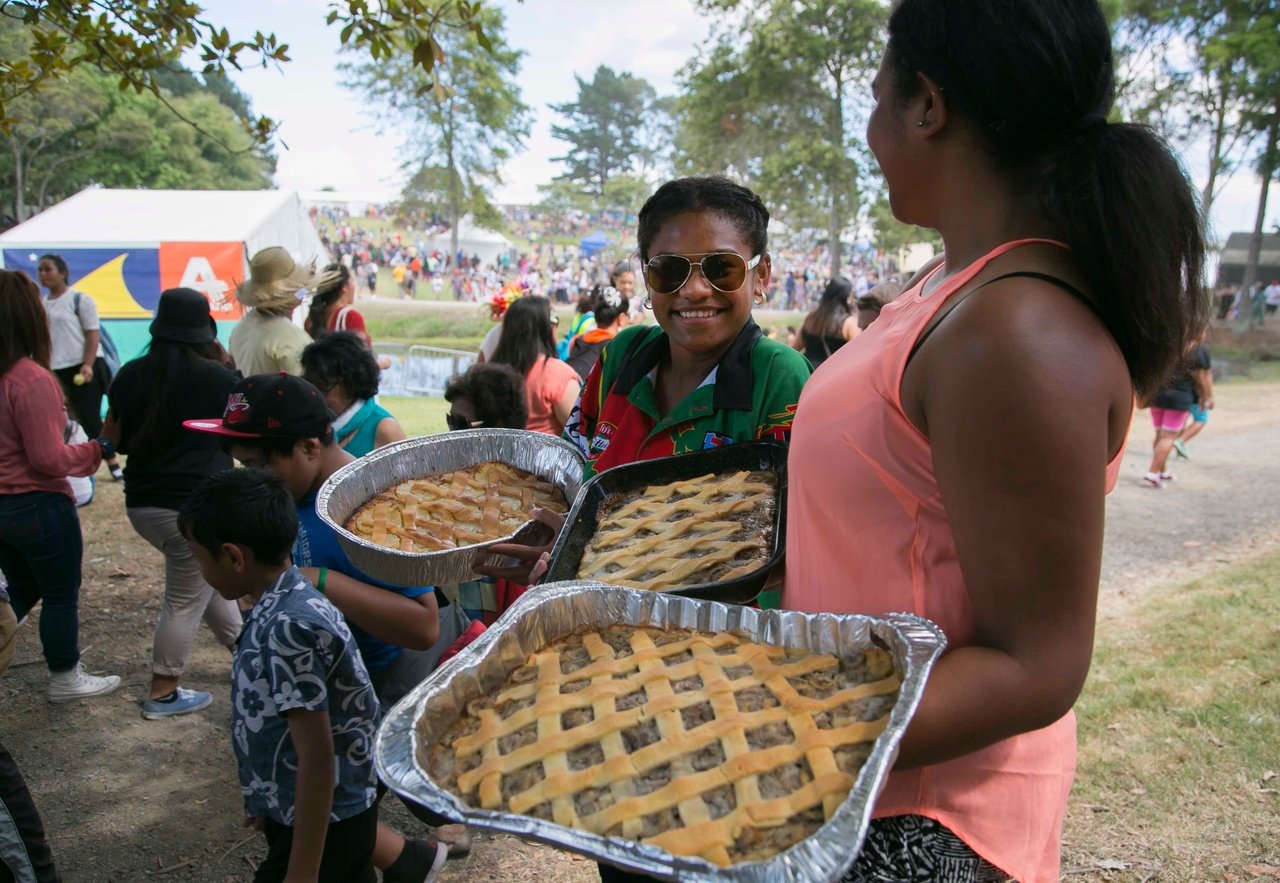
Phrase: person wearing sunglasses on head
x=486 y=395
x=704 y=376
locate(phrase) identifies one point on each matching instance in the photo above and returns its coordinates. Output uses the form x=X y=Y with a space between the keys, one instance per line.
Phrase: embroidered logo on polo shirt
x=715 y=440
x=600 y=441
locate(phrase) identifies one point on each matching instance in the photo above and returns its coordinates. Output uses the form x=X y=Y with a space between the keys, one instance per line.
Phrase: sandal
x=1153 y=480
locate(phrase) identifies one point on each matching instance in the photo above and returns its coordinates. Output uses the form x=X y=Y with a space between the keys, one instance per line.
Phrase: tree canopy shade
x=79 y=129
x=137 y=43
x=1217 y=75
x=779 y=102
x=616 y=126
x=464 y=120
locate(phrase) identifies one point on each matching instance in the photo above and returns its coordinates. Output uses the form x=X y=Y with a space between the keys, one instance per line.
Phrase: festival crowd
x=895 y=502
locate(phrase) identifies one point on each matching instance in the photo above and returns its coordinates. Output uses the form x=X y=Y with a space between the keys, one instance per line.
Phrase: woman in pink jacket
x=40 y=542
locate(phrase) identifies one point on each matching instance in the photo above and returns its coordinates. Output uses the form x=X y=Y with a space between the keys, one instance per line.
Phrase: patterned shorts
x=915 y=848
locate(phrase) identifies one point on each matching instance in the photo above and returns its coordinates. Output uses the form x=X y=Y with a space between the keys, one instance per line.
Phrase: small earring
x=648 y=304
x=921 y=122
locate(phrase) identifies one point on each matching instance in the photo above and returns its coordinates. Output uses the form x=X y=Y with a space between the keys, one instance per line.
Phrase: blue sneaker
x=181 y=701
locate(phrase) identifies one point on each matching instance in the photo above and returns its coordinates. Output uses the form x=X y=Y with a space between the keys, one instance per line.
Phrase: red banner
x=212 y=268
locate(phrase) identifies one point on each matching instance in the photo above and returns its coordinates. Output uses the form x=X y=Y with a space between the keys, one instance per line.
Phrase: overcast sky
x=330 y=140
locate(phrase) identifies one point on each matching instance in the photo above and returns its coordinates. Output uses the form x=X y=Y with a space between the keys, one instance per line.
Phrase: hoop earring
x=648 y=304
x=759 y=298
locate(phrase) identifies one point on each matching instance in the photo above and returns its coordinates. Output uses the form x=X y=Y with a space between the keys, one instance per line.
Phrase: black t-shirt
x=1181 y=394
x=162 y=470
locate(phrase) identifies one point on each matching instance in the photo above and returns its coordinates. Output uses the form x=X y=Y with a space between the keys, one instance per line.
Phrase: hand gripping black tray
x=751 y=456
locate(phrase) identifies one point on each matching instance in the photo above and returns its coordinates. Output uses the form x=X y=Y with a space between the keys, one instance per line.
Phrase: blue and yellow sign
x=125 y=284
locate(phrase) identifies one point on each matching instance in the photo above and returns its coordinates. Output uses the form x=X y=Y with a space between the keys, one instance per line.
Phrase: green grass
x=1178 y=729
x=430 y=323
x=417 y=415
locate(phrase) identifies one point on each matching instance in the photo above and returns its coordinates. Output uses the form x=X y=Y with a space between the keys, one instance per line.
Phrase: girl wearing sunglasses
x=705 y=375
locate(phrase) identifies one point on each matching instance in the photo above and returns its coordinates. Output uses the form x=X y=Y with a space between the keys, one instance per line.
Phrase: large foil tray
x=584 y=517
x=548 y=612
x=353 y=485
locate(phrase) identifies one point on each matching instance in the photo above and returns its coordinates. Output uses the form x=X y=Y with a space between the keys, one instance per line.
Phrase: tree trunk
x=1244 y=321
x=1215 y=144
x=19 y=185
x=837 y=141
x=455 y=197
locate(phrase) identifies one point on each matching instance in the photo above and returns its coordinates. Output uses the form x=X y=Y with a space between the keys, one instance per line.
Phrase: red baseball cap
x=270 y=406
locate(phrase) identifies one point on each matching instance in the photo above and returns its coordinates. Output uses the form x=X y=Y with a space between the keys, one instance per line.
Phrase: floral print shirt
x=296 y=652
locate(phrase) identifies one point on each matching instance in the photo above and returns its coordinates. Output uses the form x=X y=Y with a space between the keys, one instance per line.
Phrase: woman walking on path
x=953 y=460
x=76 y=358
x=182 y=376
x=40 y=542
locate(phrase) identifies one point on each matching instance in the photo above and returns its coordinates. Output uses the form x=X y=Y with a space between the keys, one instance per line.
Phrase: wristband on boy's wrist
x=108 y=449
x=324 y=571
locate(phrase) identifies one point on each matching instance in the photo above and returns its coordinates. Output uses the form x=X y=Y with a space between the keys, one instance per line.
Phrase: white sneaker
x=65 y=686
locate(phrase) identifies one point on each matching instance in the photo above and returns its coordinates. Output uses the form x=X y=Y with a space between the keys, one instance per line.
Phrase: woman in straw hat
x=266 y=341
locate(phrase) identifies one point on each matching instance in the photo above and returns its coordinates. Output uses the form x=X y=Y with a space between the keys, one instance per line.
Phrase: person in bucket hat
x=281 y=423
x=182 y=375
x=266 y=340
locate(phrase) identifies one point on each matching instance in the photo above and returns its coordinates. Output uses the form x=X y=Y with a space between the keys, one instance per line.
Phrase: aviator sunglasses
x=724 y=270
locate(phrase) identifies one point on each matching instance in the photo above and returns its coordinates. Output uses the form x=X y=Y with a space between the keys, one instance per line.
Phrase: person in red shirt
x=41 y=547
x=331 y=308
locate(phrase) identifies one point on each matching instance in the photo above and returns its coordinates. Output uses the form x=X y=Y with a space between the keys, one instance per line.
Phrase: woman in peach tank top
x=953 y=459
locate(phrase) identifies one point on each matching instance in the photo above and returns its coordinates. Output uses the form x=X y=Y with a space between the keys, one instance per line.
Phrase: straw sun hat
x=278 y=282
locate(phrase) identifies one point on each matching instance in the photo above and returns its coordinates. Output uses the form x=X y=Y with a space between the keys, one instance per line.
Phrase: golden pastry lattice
x=701 y=744
x=461 y=508
x=708 y=529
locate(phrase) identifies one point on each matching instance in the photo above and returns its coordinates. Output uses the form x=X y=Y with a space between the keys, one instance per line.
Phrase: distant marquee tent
x=123 y=247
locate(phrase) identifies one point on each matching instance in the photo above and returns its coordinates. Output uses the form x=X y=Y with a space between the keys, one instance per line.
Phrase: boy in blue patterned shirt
x=303 y=711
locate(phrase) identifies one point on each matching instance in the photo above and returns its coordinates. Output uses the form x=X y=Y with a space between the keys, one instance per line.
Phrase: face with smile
x=701 y=320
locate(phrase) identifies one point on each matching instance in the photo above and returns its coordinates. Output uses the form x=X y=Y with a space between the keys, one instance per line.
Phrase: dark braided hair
x=716 y=194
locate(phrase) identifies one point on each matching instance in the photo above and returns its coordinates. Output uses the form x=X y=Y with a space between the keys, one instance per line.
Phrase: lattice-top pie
x=705 y=530
x=701 y=744
x=462 y=508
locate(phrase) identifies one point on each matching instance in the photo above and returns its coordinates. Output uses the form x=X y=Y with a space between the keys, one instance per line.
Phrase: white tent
x=474 y=241
x=124 y=247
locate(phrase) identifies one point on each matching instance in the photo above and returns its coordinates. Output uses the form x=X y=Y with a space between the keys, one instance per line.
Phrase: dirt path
x=128 y=799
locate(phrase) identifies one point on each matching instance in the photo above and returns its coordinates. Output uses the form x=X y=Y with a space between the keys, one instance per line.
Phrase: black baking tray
x=580 y=525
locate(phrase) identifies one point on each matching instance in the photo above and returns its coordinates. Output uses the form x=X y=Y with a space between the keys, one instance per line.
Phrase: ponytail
x=1036 y=80
x=1123 y=204
x=324 y=297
